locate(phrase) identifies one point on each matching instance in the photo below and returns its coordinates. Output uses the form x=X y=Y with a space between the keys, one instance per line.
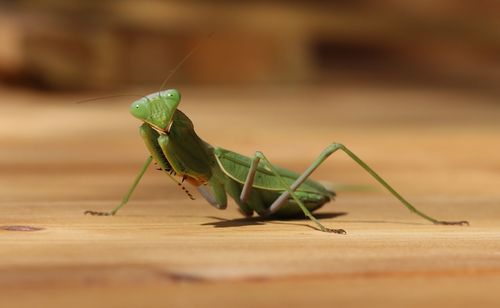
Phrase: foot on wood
x=338 y=231
x=96 y=213
x=453 y=223
x=246 y=214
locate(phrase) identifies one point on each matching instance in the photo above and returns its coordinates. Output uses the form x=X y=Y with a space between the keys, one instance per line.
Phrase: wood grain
x=439 y=148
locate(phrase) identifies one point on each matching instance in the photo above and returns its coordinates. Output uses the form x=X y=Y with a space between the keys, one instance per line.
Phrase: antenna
x=105 y=97
x=172 y=72
x=178 y=66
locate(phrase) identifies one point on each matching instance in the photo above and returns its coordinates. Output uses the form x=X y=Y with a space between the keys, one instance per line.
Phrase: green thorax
x=187 y=153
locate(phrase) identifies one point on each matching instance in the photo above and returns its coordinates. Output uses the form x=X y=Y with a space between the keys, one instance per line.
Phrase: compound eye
x=170 y=94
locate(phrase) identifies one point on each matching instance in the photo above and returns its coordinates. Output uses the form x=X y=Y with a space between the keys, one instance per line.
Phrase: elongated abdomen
x=267 y=187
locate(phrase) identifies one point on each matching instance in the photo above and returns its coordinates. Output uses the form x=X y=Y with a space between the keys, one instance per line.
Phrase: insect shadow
x=257 y=220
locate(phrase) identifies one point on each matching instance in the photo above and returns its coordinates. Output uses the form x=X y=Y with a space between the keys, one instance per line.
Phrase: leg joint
x=332 y=148
x=259 y=154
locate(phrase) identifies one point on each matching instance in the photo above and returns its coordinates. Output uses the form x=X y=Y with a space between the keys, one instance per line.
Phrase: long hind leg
x=332 y=149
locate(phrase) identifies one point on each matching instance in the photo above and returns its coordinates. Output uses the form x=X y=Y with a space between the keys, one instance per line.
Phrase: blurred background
x=421 y=77
x=88 y=45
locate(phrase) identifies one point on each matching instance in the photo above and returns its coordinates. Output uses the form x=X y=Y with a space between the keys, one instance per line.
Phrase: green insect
x=254 y=183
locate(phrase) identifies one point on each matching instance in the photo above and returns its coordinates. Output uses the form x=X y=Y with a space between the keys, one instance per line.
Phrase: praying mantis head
x=157 y=109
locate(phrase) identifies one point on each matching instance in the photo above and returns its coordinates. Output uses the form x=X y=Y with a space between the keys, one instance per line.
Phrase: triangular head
x=157 y=109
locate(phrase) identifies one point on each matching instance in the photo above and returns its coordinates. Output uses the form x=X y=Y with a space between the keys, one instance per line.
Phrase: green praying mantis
x=255 y=184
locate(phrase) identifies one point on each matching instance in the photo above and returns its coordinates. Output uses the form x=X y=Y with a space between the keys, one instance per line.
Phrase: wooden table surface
x=440 y=149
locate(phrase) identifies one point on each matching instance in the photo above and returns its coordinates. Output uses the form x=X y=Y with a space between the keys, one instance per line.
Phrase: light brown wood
x=438 y=148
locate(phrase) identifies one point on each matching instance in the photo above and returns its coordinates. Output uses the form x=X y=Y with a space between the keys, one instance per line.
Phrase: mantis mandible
x=255 y=184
